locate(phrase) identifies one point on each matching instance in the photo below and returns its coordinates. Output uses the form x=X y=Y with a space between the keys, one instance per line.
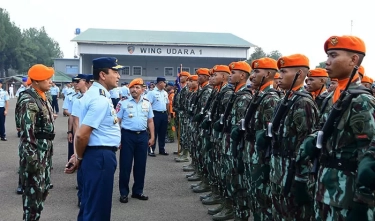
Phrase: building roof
x=142 y=37
x=61 y=77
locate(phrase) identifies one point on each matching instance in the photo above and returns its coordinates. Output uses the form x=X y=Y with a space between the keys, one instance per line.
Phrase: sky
x=289 y=26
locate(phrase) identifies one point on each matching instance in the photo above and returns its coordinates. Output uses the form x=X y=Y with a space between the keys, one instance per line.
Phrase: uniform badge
x=334 y=41
x=130 y=115
x=233 y=65
x=102 y=92
x=115 y=120
x=118 y=107
x=282 y=62
x=256 y=64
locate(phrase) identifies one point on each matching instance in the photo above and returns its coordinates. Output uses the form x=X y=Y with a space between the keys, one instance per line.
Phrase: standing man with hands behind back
x=96 y=142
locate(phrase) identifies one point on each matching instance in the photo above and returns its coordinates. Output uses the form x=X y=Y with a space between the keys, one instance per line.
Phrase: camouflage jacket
x=221 y=100
x=202 y=97
x=259 y=123
x=350 y=141
x=242 y=100
x=300 y=121
x=27 y=110
x=320 y=99
x=188 y=103
x=181 y=103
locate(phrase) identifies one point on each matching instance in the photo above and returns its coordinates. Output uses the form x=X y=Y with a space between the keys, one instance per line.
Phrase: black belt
x=114 y=149
x=160 y=112
x=339 y=164
x=134 y=132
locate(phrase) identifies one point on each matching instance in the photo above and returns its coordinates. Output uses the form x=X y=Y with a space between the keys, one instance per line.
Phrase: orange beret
x=346 y=43
x=40 y=72
x=366 y=79
x=294 y=60
x=264 y=63
x=240 y=65
x=221 y=68
x=334 y=79
x=136 y=81
x=277 y=75
x=184 y=73
x=193 y=77
x=28 y=82
x=361 y=70
x=203 y=71
x=318 y=72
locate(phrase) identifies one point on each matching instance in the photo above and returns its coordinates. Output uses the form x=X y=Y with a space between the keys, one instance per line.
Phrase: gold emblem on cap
x=215 y=67
x=233 y=65
x=334 y=41
x=282 y=62
x=256 y=64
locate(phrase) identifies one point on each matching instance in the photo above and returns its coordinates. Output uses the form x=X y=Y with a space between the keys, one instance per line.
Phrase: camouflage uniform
x=36 y=154
x=290 y=198
x=182 y=110
x=233 y=164
x=257 y=167
x=345 y=182
x=191 y=133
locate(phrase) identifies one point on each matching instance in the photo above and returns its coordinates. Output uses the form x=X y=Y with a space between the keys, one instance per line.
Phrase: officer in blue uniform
x=4 y=104
x=158 y=98
x=55 y=95
x=96 y=142
x=115 y=95
x=135 y=116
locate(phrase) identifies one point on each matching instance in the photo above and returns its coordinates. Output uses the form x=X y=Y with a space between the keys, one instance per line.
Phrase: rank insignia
x=256 y=64
x=334 y=41
x=233 y=65
x=282 y=62
x=102 y=92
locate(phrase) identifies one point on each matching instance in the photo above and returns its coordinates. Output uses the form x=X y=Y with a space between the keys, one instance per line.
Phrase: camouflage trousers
x=171 y=130
x=192 y=139
x=286 y=209
x=217 y=165
x=226 y=164
x=238 y=191
x=36 y=182
x=203 y=153
x=184 y=138
x=324 y=212
x=259 y=191
x=208 y=162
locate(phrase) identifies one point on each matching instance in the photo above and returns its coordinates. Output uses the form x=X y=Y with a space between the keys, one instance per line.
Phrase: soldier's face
x=44 y=85
x=136 y=91
x=287 y=75
x=111 y=79
x=202 y=79
x=183 y=79
x=368 y=85
x=340 y=63
x=81 y=83
x=332 y=86
x=314 y=84
x=236 y=76
x=256 y=77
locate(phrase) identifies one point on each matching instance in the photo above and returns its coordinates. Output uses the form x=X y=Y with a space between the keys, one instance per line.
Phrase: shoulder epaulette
x=146 y=99
x=102 y=92
x=80 y=96
x=70 y=93
x=75 y=94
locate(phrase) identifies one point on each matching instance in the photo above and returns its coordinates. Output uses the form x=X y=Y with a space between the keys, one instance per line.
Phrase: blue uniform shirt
x=67 y=100
x=54 y=90
x=72 y=99
x=97 y=112
x=4 y=96
x=125 y=91
x=115 y=92
x=158 y=99
x=134 y=115
x=76 y=111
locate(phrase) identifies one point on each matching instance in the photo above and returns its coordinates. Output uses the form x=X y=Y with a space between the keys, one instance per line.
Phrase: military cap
x=106 y=62
x=361 y=70
x=184 y=73
x=318 y=72
x=136 y=81
x=294 y=60
x=40 y=72
x=203 y=71
x=193 y=77
x=221 y=68
x=277 y=75
x=346 y=43
x=170 y=83
x=158 y=79
x=241 y=66
x=264 y=63
x=24 y=79
x=367 y=79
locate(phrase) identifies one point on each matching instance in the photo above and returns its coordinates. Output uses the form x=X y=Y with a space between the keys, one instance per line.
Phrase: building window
x=168 y=71
x=72 y=69
x=125 y=71
x=137 y=70
x=183 y=69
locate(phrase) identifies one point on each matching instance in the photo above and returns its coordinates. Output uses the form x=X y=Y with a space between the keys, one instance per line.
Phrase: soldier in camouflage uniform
x=345 y=178
x=316 y=85
x=295 y=118
x=181 y=110
x=255 y=158
x=37 y=134
x=201 y=101
x=217 y=107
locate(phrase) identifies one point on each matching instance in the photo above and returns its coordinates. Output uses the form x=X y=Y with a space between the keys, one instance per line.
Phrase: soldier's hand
x=71 y=166
x=151 y=141
x=55 y=116
x=70 y=137
x=5 y=113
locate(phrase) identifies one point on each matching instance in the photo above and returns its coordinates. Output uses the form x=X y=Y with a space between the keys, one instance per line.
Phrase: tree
x=21 y=49
x=321 y=65
x=259 y=53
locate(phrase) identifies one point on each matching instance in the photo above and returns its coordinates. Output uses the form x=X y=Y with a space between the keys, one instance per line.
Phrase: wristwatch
x=78 y=158
x=69 y=132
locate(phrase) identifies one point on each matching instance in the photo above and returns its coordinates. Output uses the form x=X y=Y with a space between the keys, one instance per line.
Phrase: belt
x=114 y=149
x=160 y=112
x=134 y=132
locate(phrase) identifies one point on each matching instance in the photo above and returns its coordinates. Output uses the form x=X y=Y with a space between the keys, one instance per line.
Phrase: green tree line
x=20 y=49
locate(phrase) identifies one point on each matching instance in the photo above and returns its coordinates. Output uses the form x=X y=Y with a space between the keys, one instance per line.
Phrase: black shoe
x=77 y=188
x=151 y=154
x=19 y=190
x=4 y=139
x=140 y=196
x=164 y=153
x=51 y=186
x=124 y=199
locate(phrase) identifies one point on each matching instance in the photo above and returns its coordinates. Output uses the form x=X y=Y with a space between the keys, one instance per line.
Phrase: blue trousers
x=97 y=173
x=133 y=146
x=55 y=104
x=2 y=122
x=161 y=125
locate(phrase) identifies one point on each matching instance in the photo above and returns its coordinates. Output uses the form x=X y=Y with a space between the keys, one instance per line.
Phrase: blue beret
x=1 y=81
x=106 y=62
x=24 y=79
x=160 y=79
x=170 y=83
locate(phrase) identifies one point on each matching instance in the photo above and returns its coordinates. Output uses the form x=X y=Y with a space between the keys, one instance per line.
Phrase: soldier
x=295 y=118
x=276 y=81
x=54 y=93
x=181 y=111
x=332 y=85
x=23 y=86
x=96 y=142
x=171 y=129
x=36 y=142
x=4 y=104
x=367 y=81
x=256 y=153
x=221 y=98
x=361 y=71
x=345 y=181
x=67 y=109
x=316 y=82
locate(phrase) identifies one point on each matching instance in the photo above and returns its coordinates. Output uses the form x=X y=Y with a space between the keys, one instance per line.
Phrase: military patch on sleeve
x=118 y=107
x=362 y=136
x=102 y=92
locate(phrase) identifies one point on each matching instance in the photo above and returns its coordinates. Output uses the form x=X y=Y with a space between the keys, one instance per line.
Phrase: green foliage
x=259 y=53
x=321 y=65
x=20 y=49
